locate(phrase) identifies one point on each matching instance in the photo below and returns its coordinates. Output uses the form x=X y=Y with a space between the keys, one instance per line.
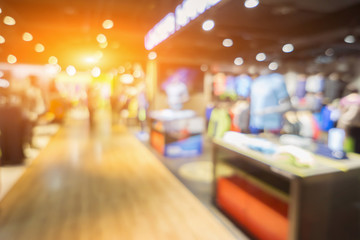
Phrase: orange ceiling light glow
x=11 y=59
x=101 y=38
x=27 y=37
x=103 y=45
x=127 y=78
x=71 y=70
x=39 y=48
x=95 y=72
x=108 y=24
x=152 y=55
x=53 y=60
x=9 y=21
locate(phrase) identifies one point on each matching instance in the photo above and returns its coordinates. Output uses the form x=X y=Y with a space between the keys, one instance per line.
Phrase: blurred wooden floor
x=87 y=185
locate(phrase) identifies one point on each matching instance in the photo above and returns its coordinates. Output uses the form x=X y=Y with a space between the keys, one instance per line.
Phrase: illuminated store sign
x=161 y=31
x=184 y=13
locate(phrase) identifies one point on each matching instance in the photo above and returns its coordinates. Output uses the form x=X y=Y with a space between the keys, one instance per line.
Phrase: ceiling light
x=261 y=57
x=53 y=60
x=204 y=67
x=4 y=83
x=107 y=24
x=273 y=66
x=39 y=48
x=11 y=59
x=101 y=38
x=103 y=45
x=27 y=37
x=329 y=52
x=238 y=61
x=2 y=39
x=208 y=25
x=288 y=48
x=0 y=10
x=152 y=55
x=350 y=39
x=95 y=72
x=9 y=20
x=227 y=42
x=71 y=70
x=251 y=3
x=127 y=78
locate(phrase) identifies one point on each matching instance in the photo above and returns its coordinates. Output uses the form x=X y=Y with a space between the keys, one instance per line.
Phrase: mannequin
x=269 y=100
x=177 y=94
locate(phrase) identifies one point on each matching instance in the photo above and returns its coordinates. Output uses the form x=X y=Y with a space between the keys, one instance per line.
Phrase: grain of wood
x=88 y=186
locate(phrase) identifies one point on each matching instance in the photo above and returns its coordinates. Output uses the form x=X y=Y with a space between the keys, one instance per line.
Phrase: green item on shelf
x=219 y=123
x=349 y=144
x=293 y=160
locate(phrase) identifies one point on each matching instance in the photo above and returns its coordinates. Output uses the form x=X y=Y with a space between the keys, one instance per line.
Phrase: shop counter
x=274 y=199
x=176 y=134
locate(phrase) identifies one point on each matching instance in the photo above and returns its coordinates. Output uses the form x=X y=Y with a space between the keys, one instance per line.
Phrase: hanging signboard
x=187 y=11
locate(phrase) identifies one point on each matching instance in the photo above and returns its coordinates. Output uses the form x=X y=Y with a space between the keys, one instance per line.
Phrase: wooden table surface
x=86 y=185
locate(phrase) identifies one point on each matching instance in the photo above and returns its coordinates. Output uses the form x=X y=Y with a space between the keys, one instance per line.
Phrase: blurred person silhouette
x=269 y=101
x=92 y=104
x=11 y=128
x=33 y=106
x=142 y=106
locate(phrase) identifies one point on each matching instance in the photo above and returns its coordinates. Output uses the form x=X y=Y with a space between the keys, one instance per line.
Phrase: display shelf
x=322 y=164
x=233 y=170
x=256 y=192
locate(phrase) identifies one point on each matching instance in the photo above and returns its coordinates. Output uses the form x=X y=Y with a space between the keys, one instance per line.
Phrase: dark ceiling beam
x=348 y=18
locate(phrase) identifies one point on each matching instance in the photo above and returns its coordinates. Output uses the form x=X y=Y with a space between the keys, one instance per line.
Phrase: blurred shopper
x=92 y=105
x=33 y=106
x=11 y=128
x=142 y=106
